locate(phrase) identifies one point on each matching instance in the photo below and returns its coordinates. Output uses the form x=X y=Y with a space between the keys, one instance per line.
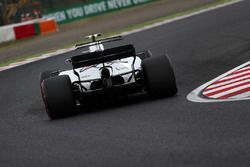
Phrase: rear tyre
x=44 y=75
x=47 y=74
x=58 y=96
x=159 y=77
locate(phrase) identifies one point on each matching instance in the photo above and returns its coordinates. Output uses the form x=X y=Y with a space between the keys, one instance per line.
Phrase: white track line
x=235 y=76
x=228 y=82
x=241 y=95
x=195 y=95
x=167 y=21
x=218 y=95
x=246 y=68
x=205 y=92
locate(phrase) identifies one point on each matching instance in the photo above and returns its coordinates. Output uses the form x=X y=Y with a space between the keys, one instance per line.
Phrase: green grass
x=130 y=28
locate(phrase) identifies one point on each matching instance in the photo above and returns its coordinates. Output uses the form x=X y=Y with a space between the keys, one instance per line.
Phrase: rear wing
x=87 y=59
x=100 y=41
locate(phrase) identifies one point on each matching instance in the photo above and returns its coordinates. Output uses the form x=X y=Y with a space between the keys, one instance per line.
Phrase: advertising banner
x=91 y=9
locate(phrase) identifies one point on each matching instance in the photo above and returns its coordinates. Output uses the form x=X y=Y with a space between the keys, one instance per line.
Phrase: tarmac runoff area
x=170 y=132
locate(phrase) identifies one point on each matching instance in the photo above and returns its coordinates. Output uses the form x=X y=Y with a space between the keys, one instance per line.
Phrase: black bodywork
x=107 y=85
x=61 y=97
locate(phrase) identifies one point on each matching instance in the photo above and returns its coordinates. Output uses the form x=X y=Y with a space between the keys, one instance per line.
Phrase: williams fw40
x=99 y=73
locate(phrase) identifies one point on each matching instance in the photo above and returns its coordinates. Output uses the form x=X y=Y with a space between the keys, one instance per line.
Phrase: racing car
x=99 y=72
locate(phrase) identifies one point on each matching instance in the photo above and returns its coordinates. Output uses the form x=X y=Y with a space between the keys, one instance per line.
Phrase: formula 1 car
x=98 y=73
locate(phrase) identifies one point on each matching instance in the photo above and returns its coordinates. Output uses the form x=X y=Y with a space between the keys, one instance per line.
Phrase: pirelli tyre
x=159 y=76
x=47 y=74
x=58 y=96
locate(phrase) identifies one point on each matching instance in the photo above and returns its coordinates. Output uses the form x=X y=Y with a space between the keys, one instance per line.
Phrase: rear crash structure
x=99 y=72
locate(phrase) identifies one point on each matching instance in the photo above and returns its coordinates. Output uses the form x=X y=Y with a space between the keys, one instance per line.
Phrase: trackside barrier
x=7 y=34
x=92 y=8
x=27 y=29
x=47 y=26
x=24 y=31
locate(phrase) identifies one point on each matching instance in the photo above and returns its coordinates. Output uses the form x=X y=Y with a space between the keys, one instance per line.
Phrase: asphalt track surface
x=141 y=132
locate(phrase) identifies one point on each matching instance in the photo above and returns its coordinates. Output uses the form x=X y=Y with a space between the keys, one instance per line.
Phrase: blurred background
x=15 y=11
x=21 y=26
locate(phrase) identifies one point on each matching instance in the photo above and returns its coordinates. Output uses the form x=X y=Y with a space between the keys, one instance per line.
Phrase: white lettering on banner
x=95 y=8
x=59 y=16
x=139 y=1
x=115 y=4
x=92 y=9
x=75 y=13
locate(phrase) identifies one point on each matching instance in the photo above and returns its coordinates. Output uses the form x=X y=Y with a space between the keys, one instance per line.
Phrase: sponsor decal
x=121 y=68
x=85 y=76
